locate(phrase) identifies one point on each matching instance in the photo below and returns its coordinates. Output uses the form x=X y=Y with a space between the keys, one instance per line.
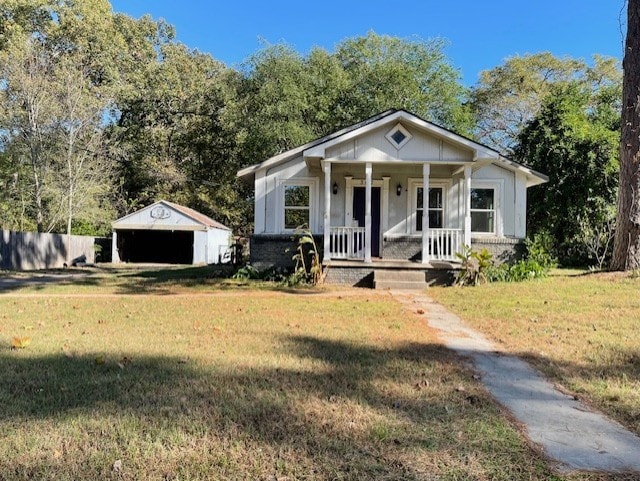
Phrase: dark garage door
x=158 y=246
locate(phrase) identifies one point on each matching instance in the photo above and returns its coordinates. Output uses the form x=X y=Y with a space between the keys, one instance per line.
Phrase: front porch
x=349 y=243
x=434 y=212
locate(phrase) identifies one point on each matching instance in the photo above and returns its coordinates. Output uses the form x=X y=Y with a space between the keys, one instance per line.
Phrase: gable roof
x=186 y=211
x=317 y=148
x=197 y=216
x=290 y=154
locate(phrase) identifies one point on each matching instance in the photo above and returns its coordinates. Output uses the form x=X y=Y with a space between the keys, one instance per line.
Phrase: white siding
x=200 y=247
x=520 y=211
x=271 y=182
x=375 y=146
x=218 y=244
x=259 y=225
x=508 y=212
x=345 y=150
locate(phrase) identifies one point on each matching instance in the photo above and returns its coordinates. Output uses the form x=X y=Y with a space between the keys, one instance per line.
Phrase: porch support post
x=326 y=255
x=467 y=206
x=367 y=212
x=426 y=172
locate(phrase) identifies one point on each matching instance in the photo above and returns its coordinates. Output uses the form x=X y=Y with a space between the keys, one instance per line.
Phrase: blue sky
x=481 y=34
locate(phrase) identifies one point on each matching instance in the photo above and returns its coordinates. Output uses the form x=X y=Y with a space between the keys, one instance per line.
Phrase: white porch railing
x=444 y=243
x=347 y=242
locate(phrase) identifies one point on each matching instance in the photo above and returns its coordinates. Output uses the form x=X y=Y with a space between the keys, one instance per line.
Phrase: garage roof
x=158 y=216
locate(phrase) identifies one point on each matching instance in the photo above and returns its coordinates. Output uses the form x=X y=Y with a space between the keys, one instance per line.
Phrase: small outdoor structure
x=393 y=188
x=169 y=233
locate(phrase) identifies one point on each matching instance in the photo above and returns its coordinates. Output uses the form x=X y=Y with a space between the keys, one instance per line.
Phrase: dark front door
x=359 y=198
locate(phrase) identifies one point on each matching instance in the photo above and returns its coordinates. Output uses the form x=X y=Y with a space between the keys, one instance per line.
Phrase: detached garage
x=169 y=233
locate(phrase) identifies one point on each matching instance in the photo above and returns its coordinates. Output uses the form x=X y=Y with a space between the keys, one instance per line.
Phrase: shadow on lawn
x=218 y=277
x=305 y=419
x=39 y=280
x=132 y=280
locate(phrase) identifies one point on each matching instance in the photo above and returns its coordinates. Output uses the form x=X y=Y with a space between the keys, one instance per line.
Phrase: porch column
x=368 y=170
x=327 y=211
x=426 y=171
x=467 y=206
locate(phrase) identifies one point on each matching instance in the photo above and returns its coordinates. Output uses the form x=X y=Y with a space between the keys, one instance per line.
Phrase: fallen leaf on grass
x=421 y=384
x=20 y=342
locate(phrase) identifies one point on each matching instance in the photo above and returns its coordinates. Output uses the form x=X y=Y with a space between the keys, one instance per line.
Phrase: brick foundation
x=350 y=276
x=276 y=250
x=503 y=249
x=403 y=247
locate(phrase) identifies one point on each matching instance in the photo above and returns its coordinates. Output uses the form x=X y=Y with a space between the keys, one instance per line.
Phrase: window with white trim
x=437 y=195
x=297 y=205
x=483 y=210
x=435 y=206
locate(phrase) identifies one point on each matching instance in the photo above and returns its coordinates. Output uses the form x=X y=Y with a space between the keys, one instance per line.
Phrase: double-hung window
x=483 y=210
x=297 y=205
x=436 y=207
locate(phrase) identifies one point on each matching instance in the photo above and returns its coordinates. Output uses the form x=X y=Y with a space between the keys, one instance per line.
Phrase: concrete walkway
x=576 y=437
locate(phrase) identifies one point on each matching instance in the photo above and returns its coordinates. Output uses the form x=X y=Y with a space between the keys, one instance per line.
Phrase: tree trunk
x=37 y=191
x=626 y=249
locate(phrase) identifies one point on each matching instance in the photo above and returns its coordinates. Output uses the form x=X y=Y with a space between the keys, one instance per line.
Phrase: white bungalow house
x=362 y=192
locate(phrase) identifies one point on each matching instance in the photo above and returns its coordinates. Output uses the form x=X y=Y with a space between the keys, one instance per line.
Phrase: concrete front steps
x=399 y=279
x=390 y=274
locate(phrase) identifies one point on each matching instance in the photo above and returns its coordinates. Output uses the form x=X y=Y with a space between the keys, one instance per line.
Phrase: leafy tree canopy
x=160 y=120
x=509 y=96
x=574 y=140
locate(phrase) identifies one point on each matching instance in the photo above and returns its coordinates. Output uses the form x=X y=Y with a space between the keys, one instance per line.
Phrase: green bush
x=539 y=249
x=527 y=269
x=247 y=272
x=498 y=273
x=474 y=266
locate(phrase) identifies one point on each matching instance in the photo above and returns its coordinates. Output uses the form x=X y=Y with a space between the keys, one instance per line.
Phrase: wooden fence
x=31 y=250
